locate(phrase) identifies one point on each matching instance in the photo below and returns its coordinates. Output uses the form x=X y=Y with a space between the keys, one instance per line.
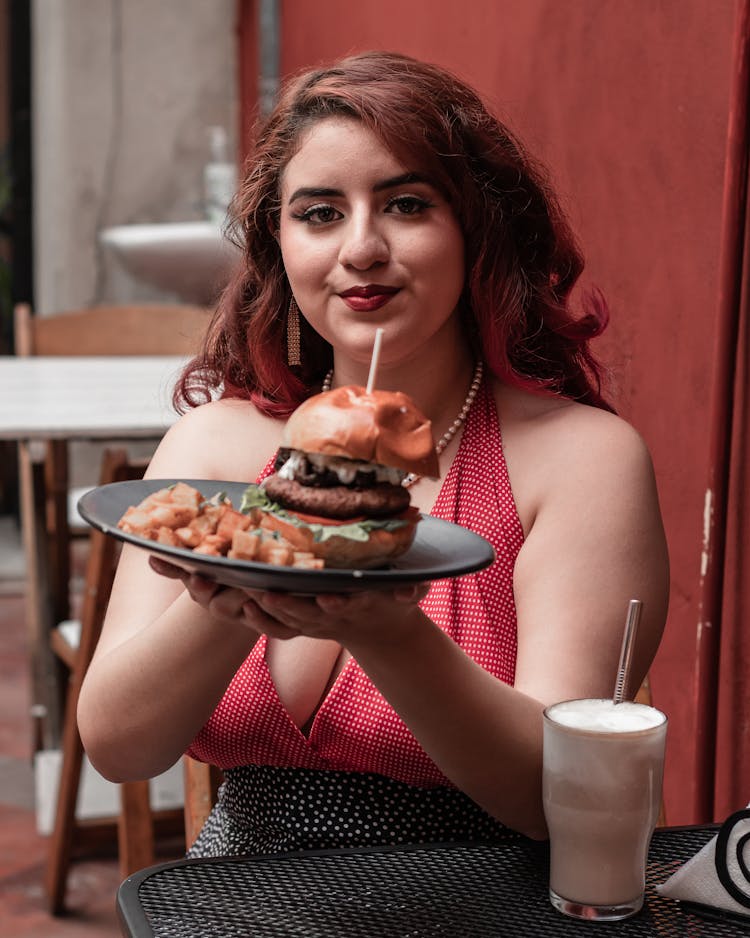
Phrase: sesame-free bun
x=382 y=427
x=381 y=547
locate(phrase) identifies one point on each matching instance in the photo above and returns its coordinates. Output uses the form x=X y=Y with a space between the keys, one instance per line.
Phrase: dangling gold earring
x=292 y=334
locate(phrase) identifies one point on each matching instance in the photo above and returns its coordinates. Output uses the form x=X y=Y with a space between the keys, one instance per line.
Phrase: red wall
x=628 y=104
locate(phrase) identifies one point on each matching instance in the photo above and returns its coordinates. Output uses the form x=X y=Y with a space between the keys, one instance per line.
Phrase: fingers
x=193 y=581
x=411 y=593
x=284 y=615
x=340 y=603
x=221 y=602
x=299 y=612
x=342 y=616
x=226 y=603
x=256 y=618
x=163 y=568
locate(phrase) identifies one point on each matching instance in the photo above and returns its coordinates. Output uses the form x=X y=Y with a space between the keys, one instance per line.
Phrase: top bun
x=383 y=427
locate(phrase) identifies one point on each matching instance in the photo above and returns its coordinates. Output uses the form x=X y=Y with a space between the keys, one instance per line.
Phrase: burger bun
x=381 y=547
x=383 y=427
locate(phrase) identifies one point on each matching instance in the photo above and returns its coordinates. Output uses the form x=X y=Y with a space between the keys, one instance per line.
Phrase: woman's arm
x=163 y=660
x=162 y=667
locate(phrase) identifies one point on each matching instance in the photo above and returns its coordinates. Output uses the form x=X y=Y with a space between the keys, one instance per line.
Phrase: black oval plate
x=440 y=550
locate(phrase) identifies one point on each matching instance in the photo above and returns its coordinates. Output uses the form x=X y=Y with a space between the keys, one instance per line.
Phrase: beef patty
x=338 y=501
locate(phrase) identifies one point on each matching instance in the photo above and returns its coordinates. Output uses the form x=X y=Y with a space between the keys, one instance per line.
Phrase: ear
x=273 y=227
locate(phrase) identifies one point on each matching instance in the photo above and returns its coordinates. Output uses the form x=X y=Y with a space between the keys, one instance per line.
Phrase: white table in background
x=86 y=398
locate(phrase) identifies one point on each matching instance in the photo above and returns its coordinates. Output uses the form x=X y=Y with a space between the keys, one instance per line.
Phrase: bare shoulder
x=559 y=447
x=225 y=439
x=559 y=420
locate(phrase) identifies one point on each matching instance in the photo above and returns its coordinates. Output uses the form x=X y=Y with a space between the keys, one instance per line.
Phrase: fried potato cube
x=189 y=536
x=213 y=515
x=160 y=497
x=272 y=551
x=304 y=560
x=183 y=494
x=165 y=504
x=166 y=535
x=245 y=545
x=173 y=516
x=136 y=521
x=202 y=525
x=212 y=545
x=208 y=550
x=232 y=521
x=181 y=517
x=279 y=556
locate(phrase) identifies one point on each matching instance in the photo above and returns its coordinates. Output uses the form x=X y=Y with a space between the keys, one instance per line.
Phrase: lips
x=371 y=289
x=369 y=297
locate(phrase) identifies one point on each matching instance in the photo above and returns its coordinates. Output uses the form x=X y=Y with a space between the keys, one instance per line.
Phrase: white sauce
x=345 y=469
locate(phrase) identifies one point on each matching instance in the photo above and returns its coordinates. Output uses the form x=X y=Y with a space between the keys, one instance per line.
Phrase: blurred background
x=121 y=121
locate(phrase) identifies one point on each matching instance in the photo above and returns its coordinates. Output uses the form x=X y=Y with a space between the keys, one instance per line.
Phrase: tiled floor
x=93 y=881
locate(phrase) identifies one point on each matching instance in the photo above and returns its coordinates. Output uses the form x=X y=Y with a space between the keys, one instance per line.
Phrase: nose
x=363 y=244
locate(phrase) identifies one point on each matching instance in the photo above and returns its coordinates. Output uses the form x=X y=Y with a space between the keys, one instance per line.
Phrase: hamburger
x=336 y=489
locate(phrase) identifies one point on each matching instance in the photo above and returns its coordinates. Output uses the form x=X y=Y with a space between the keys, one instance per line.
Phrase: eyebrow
x=307 y=192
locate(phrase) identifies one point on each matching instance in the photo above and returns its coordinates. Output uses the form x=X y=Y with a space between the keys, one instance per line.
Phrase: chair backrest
x=125 y=330
x=117 y=466
x=149 y=329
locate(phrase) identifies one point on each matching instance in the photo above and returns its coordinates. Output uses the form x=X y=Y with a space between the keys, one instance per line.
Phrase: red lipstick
x=369 y=297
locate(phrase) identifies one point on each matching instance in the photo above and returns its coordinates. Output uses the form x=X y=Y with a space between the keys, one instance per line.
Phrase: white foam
x=604 y=716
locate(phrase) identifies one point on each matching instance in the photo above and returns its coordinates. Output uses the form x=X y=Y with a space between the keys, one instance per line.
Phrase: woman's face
x=368 y=241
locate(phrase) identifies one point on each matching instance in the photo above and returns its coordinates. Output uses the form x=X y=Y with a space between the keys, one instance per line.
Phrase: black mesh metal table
x=446 y=891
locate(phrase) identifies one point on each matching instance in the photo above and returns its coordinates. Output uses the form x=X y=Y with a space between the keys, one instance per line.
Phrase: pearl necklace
x=452 y=430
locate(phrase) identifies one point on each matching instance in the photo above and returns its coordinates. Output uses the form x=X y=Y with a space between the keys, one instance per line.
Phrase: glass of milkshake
x=602 y=788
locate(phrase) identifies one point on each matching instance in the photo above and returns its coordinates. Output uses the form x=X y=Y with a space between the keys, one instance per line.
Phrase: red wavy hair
x=522 y=259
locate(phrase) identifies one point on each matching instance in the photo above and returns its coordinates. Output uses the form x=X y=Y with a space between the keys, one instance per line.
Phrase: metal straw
x=628 y=644
x=375 y=359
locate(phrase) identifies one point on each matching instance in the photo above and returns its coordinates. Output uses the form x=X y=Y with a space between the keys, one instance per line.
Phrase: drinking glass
x=602 y=789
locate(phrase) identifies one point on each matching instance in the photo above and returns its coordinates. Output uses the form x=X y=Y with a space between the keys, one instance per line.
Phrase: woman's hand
x=224 y=603
x=369 y=615
x=337 y=616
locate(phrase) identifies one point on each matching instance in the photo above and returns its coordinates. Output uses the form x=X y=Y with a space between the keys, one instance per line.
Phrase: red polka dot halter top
x=355 y=729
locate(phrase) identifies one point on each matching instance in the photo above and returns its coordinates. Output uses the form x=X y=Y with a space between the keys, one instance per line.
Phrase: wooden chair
x=104 y=330
x=135 y=823
x=155 y=329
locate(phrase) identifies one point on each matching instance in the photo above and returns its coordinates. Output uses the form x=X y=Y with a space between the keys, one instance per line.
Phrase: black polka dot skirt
x=266 y=809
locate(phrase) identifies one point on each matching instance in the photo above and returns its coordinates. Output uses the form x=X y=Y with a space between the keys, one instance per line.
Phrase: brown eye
x=407 y=205
x=319 y=215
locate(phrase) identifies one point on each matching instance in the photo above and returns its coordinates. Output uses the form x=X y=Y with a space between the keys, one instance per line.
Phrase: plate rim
x=351 y=576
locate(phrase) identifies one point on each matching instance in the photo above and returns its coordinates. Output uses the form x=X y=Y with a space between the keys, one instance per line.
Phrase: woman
x=382 y=193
